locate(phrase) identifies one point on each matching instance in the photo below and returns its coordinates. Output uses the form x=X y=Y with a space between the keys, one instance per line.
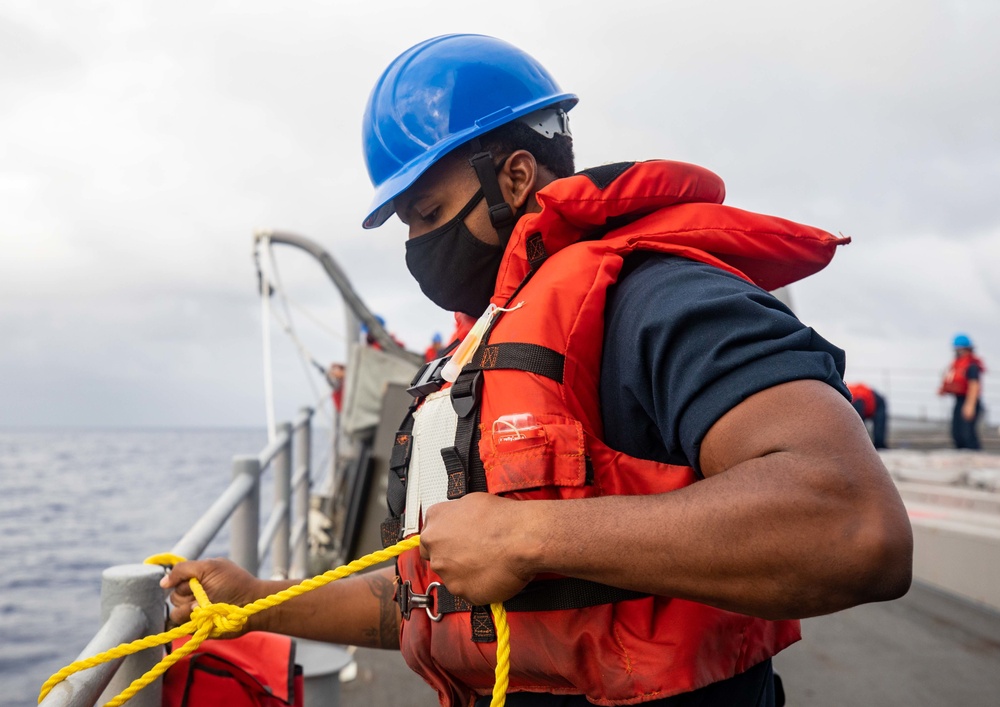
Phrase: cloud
x=145 y=142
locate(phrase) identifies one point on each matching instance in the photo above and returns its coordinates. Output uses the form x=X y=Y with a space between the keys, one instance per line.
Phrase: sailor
x=870 y=405
x=964 y=381
x=434 y=350
x=645 y=455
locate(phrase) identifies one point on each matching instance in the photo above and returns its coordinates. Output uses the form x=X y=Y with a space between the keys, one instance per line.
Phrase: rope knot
x=213 y=620
x=223 y=618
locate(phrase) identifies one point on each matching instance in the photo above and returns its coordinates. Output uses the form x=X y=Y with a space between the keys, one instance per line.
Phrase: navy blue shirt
x=684 y=343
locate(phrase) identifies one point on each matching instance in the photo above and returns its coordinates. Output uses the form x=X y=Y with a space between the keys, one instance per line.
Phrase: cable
x=305 y=357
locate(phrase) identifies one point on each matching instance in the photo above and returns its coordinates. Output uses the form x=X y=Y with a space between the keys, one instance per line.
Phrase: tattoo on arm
x=386 y=633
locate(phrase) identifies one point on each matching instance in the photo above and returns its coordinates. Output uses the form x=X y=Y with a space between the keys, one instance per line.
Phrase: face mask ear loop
x=502 y=217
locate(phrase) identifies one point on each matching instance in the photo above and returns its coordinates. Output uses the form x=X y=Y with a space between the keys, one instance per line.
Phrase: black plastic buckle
x=409 y=600
x=501 y=215
x=428 y=378
x=465 y=395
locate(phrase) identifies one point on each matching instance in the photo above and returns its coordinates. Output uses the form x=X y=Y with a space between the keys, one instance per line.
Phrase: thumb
x=180 y=573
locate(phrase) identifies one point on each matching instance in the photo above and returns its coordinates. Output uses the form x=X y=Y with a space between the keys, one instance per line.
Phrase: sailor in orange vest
x=642 y=453
x=871 y=406
x=434 y=350
x=964 y=381
x=335 y=379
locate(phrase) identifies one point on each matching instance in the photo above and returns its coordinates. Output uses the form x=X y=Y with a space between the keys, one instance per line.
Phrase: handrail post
x=282 y=495
x=138 y=586
x=303 y=484
x=245 y=521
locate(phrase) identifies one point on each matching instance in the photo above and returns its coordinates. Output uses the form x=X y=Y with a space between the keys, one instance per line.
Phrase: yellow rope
x=500 y=680
x=210 y=620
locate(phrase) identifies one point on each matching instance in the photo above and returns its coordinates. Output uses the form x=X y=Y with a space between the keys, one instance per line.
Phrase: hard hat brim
x=382 y=206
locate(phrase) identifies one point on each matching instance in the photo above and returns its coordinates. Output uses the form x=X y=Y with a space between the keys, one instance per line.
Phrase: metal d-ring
x=410 y=600
x=426 y=601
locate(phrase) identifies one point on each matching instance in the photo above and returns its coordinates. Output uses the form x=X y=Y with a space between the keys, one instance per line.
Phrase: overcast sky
x=142 y=143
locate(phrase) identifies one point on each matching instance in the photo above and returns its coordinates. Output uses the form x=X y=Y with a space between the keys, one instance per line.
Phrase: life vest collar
x=667 y=206
x=587 y=204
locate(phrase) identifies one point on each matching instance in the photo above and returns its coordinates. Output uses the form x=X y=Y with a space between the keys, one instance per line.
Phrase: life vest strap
x=534 y=247
x=541 y=595
x=532 y=358
x=391 y=530
x=483 y=628
x=399 y=462
x=465 y=391
x=567 y=593
x=455 y=468
x=400 y=455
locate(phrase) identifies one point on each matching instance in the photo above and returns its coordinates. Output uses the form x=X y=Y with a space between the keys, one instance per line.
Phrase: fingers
x=183 y=572
x=178 y=579
x=181 y=614
x=182 y=602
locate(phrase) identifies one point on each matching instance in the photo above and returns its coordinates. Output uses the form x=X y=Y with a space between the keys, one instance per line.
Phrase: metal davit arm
x=357 y=310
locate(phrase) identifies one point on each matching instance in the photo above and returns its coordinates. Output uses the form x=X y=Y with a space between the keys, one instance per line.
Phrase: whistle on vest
x=463 y=354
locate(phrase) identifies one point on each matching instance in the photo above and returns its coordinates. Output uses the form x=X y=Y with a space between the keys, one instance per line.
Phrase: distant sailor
x=871 y=405
x=964 y=381
x=434 y=350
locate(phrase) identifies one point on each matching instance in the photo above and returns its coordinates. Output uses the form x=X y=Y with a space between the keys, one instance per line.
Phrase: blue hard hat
x=439 y=94
x=962 y=341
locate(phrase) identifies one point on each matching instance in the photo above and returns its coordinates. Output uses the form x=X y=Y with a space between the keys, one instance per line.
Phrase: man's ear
x=518 y=178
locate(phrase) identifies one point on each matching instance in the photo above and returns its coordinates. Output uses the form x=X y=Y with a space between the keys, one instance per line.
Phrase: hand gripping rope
x=211 y=620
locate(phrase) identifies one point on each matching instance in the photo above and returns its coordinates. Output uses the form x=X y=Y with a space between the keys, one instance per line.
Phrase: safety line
x=212 y=620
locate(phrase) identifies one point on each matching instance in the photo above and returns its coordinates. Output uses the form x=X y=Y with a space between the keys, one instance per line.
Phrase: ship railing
x=132 y=602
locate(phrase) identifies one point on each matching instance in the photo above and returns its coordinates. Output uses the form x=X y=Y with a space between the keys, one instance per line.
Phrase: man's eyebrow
x=408 y=206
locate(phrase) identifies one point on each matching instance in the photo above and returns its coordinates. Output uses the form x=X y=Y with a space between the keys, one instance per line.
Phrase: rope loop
x=212 y=620
x=222 y=618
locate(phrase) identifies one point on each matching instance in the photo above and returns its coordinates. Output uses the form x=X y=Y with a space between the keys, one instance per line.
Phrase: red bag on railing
x=256 y=669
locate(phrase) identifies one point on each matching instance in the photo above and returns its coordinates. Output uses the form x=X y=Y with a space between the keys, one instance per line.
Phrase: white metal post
x=302 y=482
x=282 y=495
x=136 y=586
x=244 y=524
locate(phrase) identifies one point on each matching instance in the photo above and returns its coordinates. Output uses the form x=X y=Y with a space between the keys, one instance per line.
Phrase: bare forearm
x=358 y=610
x=742 y=541
x=797 y=517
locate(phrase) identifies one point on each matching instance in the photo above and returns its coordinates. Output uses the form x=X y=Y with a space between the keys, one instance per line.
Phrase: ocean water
x=75 y=502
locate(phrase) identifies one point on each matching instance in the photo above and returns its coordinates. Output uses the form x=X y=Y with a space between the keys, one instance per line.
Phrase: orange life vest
x=256 y=669
x=860 y=391
x=530 y=424
x=956 y=381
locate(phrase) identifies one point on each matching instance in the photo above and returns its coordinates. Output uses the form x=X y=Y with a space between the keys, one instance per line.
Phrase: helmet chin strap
x=547 y=122
x=502 y=216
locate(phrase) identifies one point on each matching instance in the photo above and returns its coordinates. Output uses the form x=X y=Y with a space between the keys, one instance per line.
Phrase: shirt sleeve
x=972 y=372
x=685 y=342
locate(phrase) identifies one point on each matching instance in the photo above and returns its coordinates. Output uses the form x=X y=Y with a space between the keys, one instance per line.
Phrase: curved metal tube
x=357 y=310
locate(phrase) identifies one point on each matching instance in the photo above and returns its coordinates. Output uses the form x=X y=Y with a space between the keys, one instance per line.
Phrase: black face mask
x=456 y=270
